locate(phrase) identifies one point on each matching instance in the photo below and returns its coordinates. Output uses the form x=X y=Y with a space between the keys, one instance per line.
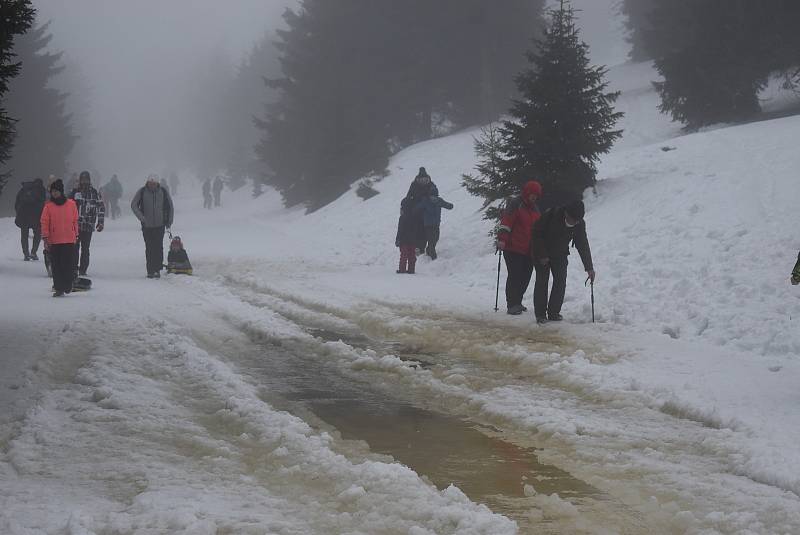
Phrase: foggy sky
x=137 y=54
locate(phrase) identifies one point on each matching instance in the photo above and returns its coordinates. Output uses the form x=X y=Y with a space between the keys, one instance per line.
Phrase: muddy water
x=369 y=419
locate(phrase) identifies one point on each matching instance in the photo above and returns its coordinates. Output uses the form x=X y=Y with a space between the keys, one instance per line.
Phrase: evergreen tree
x=490 y=183
x=565 y=119
x=16 y=17
x=638 y=21
x=44 y=131
x=716 y=55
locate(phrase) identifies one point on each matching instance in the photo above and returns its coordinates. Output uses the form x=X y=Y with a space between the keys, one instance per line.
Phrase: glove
x=590 y=273
x=544 y=261
x=397 y=243
x=99 y=227
x=500 y=244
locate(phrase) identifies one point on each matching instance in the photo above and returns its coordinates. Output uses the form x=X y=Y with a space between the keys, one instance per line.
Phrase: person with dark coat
x=421 y=187
x=218 y=184
x=406 y=236
x=28 y=207
x=431 y=208
x=59 y=223
x=91 y=216
x=152 y=206
x=552 y=235
x=207 y=194
x=514 y=240
x=796 y=272
x=112 y=192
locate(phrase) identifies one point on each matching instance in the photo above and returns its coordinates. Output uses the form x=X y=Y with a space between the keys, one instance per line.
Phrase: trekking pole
x=592 y=289
x=497 y=288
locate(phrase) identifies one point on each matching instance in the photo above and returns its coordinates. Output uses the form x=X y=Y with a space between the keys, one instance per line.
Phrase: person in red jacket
x=59 y=223
x=514 y=239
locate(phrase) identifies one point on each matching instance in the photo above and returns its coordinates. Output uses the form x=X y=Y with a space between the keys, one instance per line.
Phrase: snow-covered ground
x=134 y=408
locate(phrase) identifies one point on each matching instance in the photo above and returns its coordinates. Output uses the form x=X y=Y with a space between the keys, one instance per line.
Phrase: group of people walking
x=216 y=188
x=66 y=222
x=528 y=239
x=418 y=228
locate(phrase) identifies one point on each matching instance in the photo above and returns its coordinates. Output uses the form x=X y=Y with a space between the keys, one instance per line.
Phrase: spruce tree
x=490 y=182
x=714 y=56
x=44 y=137
x=565 y=118
x=16 y=17
x=638 y=21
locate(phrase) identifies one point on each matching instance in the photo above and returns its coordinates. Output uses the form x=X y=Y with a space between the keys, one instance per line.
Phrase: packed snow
x=131 y=410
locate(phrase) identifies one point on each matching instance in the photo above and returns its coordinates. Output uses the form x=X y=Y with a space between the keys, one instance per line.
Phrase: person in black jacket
x=28 y=207
x=421 y=188
x=550 y=241
x=406 y=236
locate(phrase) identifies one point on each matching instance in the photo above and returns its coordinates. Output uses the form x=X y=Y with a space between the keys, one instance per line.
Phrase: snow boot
x=515 y=310
x=541 y=320
x=554 y=317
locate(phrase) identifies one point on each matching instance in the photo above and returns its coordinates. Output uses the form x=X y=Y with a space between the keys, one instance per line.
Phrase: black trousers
x=558 y=267
x=82 y=250
x=432 y=236
x=62 y=262
x=520 y=269
x=154 y=248
x=207 y=201
x=37 y=237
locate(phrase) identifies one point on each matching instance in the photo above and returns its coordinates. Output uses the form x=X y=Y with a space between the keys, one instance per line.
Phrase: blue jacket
x=431 y=209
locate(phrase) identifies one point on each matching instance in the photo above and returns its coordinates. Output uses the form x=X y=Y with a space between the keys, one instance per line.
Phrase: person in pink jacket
x=59 y=234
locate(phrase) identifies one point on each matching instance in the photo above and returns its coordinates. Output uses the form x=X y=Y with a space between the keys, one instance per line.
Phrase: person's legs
x=37 y=238
x=515 y=265
x=23 y=238
x=559 y=268
x=85 y=240
x=411 y=253
x=154 y=248
x=540 y=289
x=63 y=264
x=404 y=258
x=432 y=236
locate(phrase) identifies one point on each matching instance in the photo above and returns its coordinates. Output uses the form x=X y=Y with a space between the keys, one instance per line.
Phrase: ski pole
x=592 y=290
x=497 y=288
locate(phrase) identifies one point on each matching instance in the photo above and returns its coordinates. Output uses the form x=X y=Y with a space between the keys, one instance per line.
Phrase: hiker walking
x=28 y=207
x=112 y=192
x=59 y=223
x=152 y=206
x=173 y=183
x=91 y=216
x=514 y=240
x=207 y=193
x=406 y=237
x=421 y=187
x=552 y=236
x=431 y=207
x=218 y=184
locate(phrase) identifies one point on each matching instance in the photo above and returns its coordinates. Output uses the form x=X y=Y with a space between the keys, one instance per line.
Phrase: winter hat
x=422 y=173
x=85 y=174
x=57 y=184
x=530 y=187
x=575 y=210
x=152 y=178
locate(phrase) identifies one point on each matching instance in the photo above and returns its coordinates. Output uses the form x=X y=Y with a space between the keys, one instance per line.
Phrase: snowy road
x=237 y=402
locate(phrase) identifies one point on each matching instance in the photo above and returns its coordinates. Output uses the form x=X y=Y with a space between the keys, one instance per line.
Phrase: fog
x=136 y=61
x=136 y=58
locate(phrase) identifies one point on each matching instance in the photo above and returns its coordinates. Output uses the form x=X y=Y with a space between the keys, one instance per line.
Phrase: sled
x=176 y=268
x=81 y=284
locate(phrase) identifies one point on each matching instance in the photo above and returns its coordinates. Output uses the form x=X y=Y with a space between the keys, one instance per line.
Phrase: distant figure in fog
x=218 y=184
x=406 y=237
x=152 y=206
x=59 y=224
x=421 y=188
x=207 y=194
x=28 y=207
x=173 y=183
x=796 y=272
x=112 y=192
